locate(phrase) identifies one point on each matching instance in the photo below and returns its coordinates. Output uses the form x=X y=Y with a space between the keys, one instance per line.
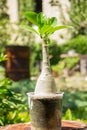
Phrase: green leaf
x=1 y=122
x=56 y=28
x=52 y=21
x=3 y=57
x=41 y=20
x=61 y=27
x=32 y=17
x=30 y=29
x=45 y=29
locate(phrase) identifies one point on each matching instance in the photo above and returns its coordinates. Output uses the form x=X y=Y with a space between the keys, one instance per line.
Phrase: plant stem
x=45 y=83
x=46 y=63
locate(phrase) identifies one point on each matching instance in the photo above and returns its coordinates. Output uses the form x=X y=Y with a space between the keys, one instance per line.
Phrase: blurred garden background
x=21 y=56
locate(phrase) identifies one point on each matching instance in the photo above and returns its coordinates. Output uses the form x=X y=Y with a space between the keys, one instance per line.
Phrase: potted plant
x=45 y=102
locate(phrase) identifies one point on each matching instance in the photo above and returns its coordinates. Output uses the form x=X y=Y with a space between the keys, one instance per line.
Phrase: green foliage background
x=11 y=103
x=4 y=22
x=78 y=16
x=79 y=44
x=75 y=105
x=24 y=6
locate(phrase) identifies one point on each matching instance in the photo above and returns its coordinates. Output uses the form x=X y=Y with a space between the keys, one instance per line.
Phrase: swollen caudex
x=45 y=83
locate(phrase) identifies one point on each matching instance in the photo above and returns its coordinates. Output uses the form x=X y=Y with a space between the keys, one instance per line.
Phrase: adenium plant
x=46 y=27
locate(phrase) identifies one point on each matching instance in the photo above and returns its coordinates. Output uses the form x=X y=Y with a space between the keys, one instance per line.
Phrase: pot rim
x=58 y=95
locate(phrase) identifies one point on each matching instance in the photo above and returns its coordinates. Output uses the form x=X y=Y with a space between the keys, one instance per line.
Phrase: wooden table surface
x=66 y=125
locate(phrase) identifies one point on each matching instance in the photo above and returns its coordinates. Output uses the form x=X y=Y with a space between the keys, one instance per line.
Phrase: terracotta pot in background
x=17 y=64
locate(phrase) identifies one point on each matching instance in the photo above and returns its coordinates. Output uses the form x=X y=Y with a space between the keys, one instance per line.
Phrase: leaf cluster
x=46 y=26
